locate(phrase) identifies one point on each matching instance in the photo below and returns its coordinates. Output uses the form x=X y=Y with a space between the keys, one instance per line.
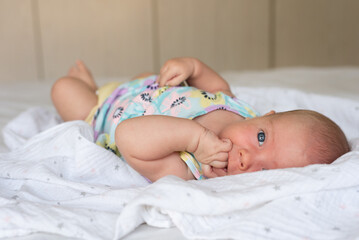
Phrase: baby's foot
x=81 y=72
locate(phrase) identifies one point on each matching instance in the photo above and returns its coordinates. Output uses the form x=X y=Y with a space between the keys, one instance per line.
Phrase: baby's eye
x=261 y=137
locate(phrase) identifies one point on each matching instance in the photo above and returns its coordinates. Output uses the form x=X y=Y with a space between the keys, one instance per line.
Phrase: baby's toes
x=73 y=72
x=82 y=67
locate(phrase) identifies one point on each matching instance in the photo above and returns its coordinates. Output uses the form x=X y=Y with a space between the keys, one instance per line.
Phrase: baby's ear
x=269 y=113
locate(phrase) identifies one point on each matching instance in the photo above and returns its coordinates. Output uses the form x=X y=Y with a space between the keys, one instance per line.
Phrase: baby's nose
x=245 y=160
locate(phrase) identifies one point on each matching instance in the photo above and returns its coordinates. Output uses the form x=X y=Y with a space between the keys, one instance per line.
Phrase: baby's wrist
x=195 y=67
x=199 y=133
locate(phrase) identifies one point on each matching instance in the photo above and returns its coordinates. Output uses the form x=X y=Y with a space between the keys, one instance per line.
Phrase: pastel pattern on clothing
x=144 y=97
x=193 y=165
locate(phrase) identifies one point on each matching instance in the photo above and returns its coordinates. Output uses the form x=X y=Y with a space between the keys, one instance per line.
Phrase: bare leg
x=75 y=94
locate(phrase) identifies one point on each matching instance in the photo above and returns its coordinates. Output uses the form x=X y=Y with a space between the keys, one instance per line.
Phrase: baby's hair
x=327 y=142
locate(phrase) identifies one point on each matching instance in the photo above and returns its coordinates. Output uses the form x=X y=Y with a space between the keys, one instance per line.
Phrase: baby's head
x=282 y=140
x=325 y=140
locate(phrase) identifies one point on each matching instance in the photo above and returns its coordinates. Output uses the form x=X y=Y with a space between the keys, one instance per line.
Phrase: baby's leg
x=75 y=94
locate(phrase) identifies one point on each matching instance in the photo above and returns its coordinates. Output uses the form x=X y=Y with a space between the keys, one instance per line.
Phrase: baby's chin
x=220 y=171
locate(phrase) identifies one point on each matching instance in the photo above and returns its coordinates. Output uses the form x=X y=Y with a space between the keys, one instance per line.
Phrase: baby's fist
x=212 y=151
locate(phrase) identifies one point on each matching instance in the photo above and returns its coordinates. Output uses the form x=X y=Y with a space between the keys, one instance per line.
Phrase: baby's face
x=266 y=143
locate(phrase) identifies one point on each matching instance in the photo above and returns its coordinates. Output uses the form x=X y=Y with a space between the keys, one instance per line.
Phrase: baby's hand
x=175 y=71
x=212 y=151
x=211 y=172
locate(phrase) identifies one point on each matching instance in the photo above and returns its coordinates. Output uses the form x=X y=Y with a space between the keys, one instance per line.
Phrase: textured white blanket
x=56 y=180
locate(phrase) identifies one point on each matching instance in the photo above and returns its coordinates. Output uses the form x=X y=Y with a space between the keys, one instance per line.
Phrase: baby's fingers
x=166 y=79
x=208 y=171
x=177 y=80
x=163 y=78
x=226 y=145
x=218 y=164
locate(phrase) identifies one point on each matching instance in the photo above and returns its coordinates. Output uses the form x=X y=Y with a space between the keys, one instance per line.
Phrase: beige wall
x=39 y=39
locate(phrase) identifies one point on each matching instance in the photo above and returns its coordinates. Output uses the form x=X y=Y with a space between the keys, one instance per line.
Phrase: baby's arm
x=150 y=144
x=197 y=74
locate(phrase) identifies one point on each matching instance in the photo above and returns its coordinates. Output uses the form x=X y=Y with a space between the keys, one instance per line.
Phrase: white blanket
x=59 y=182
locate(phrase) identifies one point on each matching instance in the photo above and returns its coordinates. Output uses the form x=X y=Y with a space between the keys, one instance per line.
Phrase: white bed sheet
x=340 y=82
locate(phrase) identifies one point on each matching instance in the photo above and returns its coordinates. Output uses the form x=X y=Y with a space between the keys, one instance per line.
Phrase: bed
x=56 y=184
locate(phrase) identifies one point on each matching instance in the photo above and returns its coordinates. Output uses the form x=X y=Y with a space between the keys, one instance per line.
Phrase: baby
x=161 y=127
